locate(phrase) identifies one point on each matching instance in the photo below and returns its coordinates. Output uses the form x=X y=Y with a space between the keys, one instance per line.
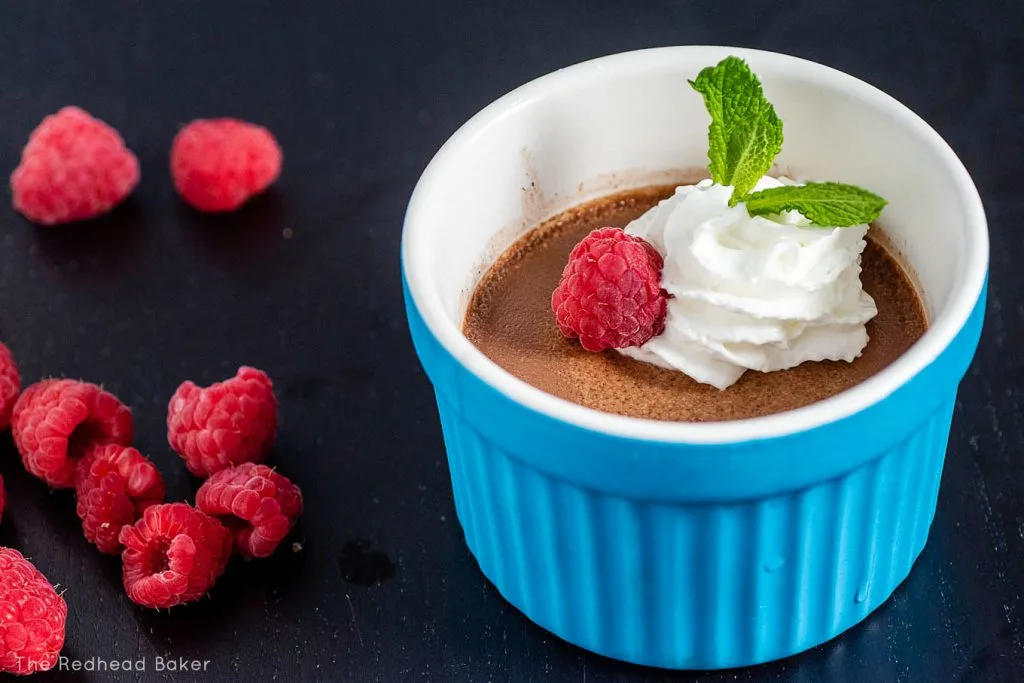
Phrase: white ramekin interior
x=632 y=119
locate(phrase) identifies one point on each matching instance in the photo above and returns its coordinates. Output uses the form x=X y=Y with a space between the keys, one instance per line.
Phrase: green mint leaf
x=752 y=149
x=824 y=204
x=745 y=134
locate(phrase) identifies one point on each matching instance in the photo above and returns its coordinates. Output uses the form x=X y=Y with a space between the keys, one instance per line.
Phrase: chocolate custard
x=510 y=320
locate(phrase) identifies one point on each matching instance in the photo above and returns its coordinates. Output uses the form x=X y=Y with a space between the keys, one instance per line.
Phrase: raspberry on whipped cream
x=751 y=293
x=609 y=295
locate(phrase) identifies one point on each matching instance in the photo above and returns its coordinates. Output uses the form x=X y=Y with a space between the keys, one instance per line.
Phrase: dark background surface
x=360 y=96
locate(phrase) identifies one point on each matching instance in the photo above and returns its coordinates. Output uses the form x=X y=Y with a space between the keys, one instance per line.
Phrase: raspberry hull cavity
x=173 y=555
x=57 y=421
x=258 y=505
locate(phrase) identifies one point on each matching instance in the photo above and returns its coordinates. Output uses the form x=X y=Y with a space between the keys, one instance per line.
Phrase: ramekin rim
x=941 y=333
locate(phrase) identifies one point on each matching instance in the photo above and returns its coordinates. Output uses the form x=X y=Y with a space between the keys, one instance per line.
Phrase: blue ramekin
x=695 y=546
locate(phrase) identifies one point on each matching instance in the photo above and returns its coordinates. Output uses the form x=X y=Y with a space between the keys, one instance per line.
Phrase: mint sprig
x=745 y=134
x=832 y=204
x=744 y=138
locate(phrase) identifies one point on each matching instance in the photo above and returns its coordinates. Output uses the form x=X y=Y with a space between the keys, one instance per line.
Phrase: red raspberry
x=10 y=386
x=225 y=424
x=219 y=164
x=56 y=421
x=258 y=505
x=173 y=555
x=610 y=295
x=32 y=617
x=114 y=485
x=74 y=167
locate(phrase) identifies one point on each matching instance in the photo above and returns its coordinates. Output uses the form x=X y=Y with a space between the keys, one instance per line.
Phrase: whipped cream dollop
x=751 y=293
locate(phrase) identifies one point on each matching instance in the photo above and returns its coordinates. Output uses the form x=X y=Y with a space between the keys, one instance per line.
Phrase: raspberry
x=610 y=294
x=225 y=424
x=10 y=386
x=258 y=505
x=114 y=485
x=32 y=617
x=56 y=421
x=173 y=555
x=74 y=167
x=219 y=164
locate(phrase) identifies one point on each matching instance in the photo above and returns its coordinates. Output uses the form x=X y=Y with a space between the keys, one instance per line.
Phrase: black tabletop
x=304 y=282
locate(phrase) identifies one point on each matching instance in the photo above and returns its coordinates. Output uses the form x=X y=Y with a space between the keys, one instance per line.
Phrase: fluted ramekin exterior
x=692 y=575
